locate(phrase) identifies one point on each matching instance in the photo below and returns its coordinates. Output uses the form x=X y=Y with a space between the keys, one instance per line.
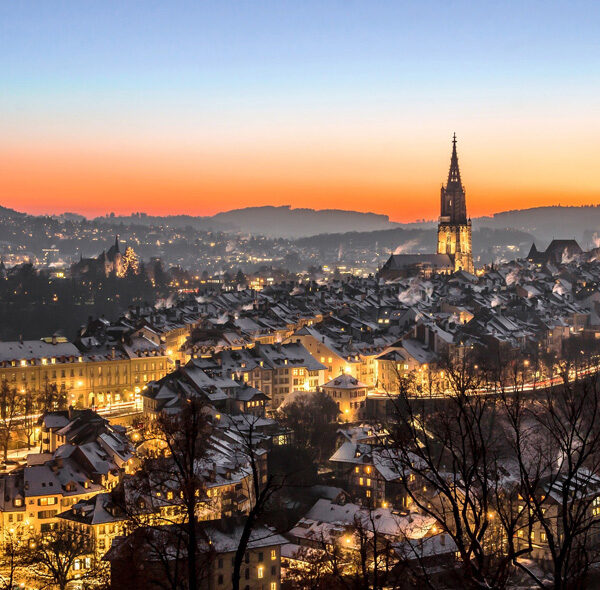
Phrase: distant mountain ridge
x=542 y=223
x=284 y=221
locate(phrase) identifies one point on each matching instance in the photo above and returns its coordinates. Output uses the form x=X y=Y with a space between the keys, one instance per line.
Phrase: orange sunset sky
x=196 y=110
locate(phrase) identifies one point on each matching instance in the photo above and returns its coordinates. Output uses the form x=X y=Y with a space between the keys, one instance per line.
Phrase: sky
x=199 y=107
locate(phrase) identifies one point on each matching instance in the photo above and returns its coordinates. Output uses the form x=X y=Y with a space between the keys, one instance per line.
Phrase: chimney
x=54 y=339
x=113 y=353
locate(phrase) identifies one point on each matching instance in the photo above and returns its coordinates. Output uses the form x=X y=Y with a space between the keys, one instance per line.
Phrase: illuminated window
x=360 y=481
x=273 y=554
x=261 y=571
x=356 y=470
x=273 y=585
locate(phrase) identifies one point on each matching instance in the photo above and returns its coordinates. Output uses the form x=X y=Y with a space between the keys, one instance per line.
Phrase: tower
x=454 y=228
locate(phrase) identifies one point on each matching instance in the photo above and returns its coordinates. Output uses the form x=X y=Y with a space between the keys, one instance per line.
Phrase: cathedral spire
x=454 y=173
x=454 y=229
x=453 y=194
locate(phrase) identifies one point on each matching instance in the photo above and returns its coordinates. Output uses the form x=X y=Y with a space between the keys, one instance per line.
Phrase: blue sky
x=292 y=74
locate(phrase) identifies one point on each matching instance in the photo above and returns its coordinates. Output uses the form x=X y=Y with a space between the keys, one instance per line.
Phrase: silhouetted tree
x=51 y=558
x=10 y=407
x=170 y=487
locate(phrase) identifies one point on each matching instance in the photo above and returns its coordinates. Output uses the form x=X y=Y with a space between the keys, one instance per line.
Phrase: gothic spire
x=453 y=194
x=454 y=173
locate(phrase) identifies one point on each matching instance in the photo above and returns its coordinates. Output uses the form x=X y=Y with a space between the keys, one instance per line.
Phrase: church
x=454 y=247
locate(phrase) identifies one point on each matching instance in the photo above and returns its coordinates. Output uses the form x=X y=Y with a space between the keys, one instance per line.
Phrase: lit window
x=261 y=571
x=273 y=554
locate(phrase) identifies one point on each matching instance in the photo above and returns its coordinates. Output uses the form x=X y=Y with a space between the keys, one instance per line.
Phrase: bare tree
x=557 y=442
x=11 y=558
x=10 y=407
x=312 y=419
x=51 y=397
x=453 y=459
x=168 y=491
x=29 y=410
x=262 y=487
x=55 y=558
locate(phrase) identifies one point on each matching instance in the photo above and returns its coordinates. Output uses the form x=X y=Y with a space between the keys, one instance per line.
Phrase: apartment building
x=90 y=376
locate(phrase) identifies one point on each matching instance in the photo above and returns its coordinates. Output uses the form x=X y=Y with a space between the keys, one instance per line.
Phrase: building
x=92 y=374
x=84 y=455
x=349 y=394
x=454 y=244
x=406 y=265
x=454 y=229
x=558 y=252
x=277 y=370
x=137 y=560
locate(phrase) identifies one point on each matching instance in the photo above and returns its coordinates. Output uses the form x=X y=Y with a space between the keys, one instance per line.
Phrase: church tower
x=454 y=228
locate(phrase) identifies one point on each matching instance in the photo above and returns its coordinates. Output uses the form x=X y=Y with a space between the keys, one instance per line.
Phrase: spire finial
x=454 y=138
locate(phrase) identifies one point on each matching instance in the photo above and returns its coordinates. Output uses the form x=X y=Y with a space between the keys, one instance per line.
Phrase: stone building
x=454 y=245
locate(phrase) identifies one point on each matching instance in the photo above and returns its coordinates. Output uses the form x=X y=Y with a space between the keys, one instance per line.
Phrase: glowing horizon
x=196 y=110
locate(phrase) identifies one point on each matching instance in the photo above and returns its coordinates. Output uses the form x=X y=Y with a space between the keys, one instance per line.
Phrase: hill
x=293 y=223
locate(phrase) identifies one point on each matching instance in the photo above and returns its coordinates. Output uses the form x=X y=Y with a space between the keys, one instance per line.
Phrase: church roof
x=400 y=261
x=113 y=250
